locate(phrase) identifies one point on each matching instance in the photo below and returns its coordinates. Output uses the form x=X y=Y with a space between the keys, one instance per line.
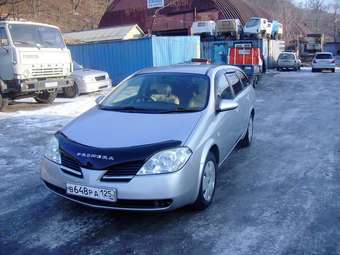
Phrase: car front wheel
x=207 y=185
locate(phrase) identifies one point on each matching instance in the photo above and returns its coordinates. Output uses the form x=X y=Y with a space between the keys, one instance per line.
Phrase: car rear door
x=241 y=97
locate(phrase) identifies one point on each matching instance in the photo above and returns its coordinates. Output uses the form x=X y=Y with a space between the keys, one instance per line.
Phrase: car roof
x=195 y=68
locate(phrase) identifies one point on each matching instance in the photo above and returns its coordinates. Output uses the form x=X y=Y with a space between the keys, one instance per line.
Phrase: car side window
x=235 y=83
x=243 y=78
x=223 y=89
x=3 y=37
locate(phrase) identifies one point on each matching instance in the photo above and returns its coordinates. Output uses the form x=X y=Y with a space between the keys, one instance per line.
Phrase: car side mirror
x=227 y=105
x=99 y=99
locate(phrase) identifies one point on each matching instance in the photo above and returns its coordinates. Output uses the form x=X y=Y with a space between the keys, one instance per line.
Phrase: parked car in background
x=277 y=30
x=229 y=27
x=323 y=61
x=288 y=60
x=86 y=81
x=203 y=28
x=154 y=143
x=255 y=27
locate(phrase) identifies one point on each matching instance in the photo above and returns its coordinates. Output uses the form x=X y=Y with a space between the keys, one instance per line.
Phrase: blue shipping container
x=122 y=58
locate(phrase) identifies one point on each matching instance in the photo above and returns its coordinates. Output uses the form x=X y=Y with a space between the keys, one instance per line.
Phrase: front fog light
x=52 y=151
x=167 y=161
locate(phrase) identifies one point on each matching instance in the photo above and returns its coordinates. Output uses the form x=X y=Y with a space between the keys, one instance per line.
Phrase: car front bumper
x=88 y=87
x=161 y=192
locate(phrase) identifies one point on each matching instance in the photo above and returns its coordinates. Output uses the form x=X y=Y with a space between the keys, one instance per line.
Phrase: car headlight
x=52 y=151
x=167 y=161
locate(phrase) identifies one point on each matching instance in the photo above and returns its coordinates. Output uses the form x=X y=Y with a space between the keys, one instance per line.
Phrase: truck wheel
x=3 y=103
x=46 y=97
x=71 y=92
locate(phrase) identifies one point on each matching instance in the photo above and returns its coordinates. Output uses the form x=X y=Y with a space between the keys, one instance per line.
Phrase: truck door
x=6 y=72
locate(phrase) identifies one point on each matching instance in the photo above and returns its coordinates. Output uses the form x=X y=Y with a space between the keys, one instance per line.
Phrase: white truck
x=34 y=62
x=256 y=27
x=203 y=28
x=229 y=27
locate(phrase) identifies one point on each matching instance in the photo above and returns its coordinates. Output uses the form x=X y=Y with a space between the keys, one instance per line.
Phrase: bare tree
x=75 y=6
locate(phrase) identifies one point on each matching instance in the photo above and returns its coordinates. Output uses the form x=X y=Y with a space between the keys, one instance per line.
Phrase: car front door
x=226 y=132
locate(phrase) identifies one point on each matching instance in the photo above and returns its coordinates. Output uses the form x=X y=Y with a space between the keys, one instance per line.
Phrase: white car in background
x=87 y=81
x=323 y=61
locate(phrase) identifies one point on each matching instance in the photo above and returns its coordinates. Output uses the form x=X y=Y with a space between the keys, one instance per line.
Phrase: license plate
x=51 y=84
x=90 y=192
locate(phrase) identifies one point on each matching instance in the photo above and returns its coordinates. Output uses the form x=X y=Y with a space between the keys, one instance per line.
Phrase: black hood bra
x=104 y=158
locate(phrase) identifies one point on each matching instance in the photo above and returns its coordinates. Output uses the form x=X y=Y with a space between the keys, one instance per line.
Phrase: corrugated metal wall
x=119 y=58
x=170 y=50
x=122 y=58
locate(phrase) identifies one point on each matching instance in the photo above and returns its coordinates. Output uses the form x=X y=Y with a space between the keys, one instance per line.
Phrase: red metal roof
x=179 y=15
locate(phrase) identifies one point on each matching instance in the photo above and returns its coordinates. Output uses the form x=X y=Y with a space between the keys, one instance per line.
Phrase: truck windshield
x=253 y=23
x=36 y=36
x=160 y=93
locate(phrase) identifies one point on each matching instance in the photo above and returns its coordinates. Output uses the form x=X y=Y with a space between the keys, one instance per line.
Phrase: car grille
x=100 y=78
x=122 y=172
x=121 y=203
x=116 y=173
x=47 y=72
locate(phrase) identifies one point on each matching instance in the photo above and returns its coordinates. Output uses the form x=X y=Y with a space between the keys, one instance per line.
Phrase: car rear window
x=324 y=56
x=286 y=57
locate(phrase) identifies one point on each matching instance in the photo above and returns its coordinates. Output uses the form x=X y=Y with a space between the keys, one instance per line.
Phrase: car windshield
x=253 y=23
x=160 y=93
x=286 y=57
x=324 y=56
x=36 y=36
x=76 y=66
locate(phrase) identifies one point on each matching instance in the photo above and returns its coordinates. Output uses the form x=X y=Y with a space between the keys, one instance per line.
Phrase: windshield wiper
x=180 y=110
x=127 y=109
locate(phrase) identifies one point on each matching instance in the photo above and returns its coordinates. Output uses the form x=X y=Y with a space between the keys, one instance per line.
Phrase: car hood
x=88 y=72
x=109 y=129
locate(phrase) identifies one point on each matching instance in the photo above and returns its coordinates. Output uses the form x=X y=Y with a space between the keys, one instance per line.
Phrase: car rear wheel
x=46 y=97
x=3 y=103
x=207 y=184
x=248 y=138
x=71 y=92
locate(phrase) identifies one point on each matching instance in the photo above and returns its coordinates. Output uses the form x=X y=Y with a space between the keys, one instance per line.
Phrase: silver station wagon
x=155 y=142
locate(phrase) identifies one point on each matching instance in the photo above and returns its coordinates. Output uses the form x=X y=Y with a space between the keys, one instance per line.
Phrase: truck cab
x=34 y=62
x=256 y=27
